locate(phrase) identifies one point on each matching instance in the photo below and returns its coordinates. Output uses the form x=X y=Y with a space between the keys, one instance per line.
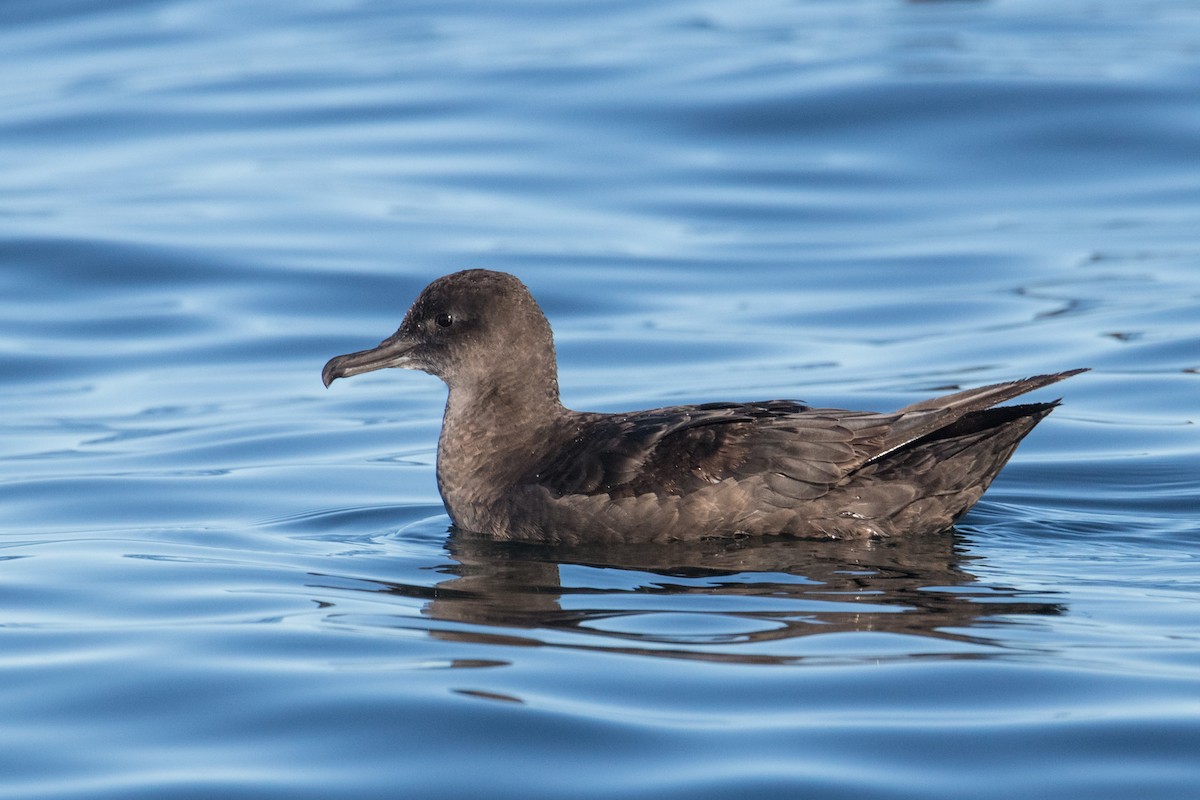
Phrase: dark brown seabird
x=513 y=463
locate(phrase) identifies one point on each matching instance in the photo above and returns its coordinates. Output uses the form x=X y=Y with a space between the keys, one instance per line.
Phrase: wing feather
x=789 y=451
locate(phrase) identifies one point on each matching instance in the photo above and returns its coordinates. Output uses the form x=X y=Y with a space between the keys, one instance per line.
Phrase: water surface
x=219 y=579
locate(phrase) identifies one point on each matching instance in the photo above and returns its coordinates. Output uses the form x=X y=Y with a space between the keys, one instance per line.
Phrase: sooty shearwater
x=513 y=463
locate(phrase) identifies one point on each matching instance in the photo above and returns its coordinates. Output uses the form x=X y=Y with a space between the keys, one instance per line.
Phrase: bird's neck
x=491 y=433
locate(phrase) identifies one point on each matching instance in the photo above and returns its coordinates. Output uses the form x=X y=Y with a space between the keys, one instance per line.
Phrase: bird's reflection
x=748 y=592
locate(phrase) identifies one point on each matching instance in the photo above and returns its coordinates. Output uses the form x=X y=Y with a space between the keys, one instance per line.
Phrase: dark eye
x=444 y=320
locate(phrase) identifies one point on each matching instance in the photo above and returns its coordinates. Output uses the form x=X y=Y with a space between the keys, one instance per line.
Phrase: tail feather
x=929 y=416
x=931 y=482
x=990 y=418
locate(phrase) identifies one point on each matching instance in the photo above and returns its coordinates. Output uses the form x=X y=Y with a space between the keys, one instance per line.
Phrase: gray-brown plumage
x=513 y=463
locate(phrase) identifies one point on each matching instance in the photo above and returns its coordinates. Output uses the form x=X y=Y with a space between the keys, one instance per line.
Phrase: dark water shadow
x=714 y=600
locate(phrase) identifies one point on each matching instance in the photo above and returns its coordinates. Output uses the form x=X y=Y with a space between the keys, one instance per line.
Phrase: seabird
x=514 y=464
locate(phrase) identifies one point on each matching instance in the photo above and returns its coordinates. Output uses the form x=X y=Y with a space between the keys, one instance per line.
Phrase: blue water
x=219 y=579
